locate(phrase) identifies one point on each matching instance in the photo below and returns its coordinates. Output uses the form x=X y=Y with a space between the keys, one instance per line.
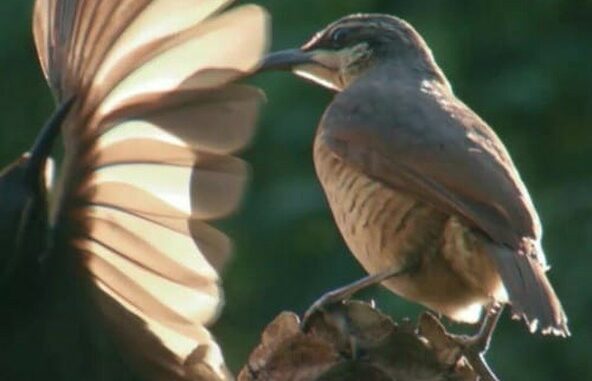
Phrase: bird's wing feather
x=148 y=161
x=438 y=150
x=84 y=43
x=435 y=148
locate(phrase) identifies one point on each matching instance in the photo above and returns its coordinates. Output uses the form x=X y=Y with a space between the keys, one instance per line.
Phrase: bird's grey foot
x=344 y=293
x=476 y=346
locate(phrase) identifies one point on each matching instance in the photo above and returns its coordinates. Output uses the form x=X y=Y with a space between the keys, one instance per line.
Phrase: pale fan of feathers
x=148 y=160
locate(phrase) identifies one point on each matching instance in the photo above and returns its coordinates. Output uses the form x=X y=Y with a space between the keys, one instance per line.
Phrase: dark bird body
x=417 y=182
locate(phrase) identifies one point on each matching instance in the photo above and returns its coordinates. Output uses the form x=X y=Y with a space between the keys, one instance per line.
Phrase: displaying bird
x=424 y=193
x=115 y=262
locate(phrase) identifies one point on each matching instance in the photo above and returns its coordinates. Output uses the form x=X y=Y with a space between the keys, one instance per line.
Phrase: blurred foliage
x=525 y=67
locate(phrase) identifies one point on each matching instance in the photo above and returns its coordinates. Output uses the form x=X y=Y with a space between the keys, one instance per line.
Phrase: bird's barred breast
x=384 y=228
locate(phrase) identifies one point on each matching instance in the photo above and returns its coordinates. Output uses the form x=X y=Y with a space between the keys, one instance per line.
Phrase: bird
x=110 y=267
x=423 y=191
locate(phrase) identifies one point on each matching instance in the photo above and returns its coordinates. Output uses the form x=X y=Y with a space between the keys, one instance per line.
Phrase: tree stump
x=355 y=341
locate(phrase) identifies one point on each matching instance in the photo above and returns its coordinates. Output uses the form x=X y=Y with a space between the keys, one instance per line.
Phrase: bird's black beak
x=318 y=66
x=23 y=202
x=286 y=60
x=43 y=144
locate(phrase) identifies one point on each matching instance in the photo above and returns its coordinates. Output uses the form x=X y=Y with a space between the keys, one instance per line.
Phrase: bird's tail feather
x=530 y=294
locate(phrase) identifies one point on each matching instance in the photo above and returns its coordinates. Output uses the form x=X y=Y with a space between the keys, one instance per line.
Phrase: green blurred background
x=524 y=66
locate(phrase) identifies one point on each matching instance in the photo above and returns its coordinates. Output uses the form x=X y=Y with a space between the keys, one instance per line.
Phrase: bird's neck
x=400 y=73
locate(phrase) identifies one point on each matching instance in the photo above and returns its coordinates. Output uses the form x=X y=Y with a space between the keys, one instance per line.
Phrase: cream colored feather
x=148 y=162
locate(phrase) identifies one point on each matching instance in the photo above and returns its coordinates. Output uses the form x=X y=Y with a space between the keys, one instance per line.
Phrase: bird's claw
x=320 y=305
x=476 y=345
x=346 y=292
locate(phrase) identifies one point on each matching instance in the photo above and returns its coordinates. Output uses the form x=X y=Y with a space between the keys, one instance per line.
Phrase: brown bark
x=355 y=341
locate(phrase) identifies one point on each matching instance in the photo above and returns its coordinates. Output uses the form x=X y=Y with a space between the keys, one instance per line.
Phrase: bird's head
x=343 y=51
x=23 y=205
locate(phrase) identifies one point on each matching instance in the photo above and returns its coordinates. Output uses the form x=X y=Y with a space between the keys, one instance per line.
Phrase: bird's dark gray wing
x=423 y=141
x=436 y=149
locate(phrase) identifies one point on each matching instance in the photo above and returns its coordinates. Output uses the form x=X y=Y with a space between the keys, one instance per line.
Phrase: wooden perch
x=354 y=341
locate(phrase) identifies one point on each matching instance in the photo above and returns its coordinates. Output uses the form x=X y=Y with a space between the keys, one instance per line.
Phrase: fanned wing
x=148 y=161
x=87 y=42
x=438 y=150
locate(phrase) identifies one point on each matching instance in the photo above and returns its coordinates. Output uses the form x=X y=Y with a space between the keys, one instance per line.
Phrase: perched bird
x=424 y=193
x=112 y=271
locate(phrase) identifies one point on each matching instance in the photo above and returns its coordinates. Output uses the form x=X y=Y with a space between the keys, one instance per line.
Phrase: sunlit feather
x=147 y=161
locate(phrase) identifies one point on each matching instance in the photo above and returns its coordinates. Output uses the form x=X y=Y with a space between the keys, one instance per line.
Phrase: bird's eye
x=339 y=35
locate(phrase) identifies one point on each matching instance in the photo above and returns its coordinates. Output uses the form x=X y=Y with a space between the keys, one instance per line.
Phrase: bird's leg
x=347 y=291
x=477 y=345
x=480 y=342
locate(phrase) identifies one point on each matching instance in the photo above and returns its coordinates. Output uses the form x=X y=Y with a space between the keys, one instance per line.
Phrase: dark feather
x=532 y=297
